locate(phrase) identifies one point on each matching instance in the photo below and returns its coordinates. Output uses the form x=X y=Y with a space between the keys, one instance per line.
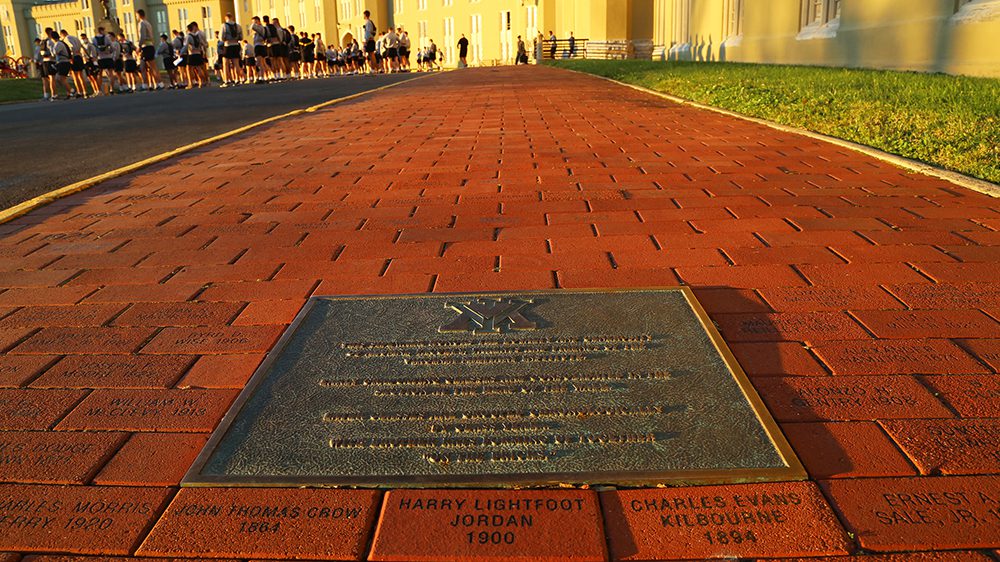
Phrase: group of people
x=75 y=64
x=110 y=63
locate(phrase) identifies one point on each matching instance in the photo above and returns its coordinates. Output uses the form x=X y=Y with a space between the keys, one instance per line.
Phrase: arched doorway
x=347 y=40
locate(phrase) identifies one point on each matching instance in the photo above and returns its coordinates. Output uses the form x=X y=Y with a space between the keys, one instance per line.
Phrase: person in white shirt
x=148 y=72
x=404 y=49
x=107 y=52
x=195 y=44
x=391 y=40
x=249 y=63
x=91 y=71
x=63 y=61
x=76 y=61
x=232 y=51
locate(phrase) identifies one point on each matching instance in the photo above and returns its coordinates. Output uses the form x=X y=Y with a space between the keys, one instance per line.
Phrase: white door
x=477 y=38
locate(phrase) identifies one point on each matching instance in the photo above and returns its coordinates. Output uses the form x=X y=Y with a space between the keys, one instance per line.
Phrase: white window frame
x=973 y=11
x=85 y=4
x=397 y=6
x=422 y=5
x=476 y=37
x=820 y=19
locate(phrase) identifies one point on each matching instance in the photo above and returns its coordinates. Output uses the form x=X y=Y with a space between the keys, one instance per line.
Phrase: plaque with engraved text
x=495 y=389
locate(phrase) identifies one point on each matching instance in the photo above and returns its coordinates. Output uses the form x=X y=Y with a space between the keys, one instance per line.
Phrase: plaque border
x=792 y=471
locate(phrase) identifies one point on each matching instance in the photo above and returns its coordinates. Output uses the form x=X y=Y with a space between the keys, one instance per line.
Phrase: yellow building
x=954 y=36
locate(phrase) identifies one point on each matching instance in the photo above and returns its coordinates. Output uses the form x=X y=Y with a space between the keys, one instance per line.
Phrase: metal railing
x=564 y=49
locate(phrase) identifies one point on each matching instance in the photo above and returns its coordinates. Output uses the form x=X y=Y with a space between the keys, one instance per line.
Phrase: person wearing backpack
x=308 y=56
x=232 y=34
x=165 y=50
x=280 y=48
x=76 y=61
x=92 y=73
x=194 y=51
x=63 y=61
x=260 y=49
x=107 y=53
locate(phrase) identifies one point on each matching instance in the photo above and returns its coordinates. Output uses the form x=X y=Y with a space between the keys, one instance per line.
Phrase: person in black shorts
x=260 y=48
x=195 y=45
x=63 y=62
x=369 y=30
x=294 y=54
x=232 y=51
x=249 y=63
x=43 y=60
x=308 y=55
x=165 y=50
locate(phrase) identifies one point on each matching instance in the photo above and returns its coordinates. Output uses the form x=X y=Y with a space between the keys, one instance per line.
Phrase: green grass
x=949 y=121
x=20 y=89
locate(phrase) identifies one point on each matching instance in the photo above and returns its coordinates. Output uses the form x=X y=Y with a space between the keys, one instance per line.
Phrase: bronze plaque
x=498 y=389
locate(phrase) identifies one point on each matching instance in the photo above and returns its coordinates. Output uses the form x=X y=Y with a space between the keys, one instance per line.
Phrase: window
x=449 y=39
x=302 y=14
x=447 y=3
x=345 y=9
x=162 y=26
x=318 y=10
x=421 y=4
x=734 y=18
x=422 y=38
x=182 y=17
x=206 y=22
x=531 y=29
x=820 y=19
x=476 y=28
x=397 y=6
x=8 y=37
x=85 y=4
x=38 y=30
x=288 y=15
x=77 y=26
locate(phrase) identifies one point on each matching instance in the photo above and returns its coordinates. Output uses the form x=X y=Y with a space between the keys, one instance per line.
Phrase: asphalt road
x=47 y=145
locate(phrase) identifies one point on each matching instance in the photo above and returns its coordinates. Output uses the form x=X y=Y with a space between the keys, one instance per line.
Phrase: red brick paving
x=861 y=299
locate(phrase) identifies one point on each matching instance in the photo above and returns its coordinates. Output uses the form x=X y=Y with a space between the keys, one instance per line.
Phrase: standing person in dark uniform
x=463 y=52
x=107 y=52
x=165 y=50
x=43 y=59
x=294 y=52
x=130 y=65
x=552 y=46
x=572 y=45
x=180 y=61
x=308 y=55
x=522 y=53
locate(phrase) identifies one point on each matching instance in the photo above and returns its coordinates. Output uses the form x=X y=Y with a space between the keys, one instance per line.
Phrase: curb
x=957 y=178
x=46 y=198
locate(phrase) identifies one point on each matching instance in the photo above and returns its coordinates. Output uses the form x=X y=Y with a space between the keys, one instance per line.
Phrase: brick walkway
x=862 y=300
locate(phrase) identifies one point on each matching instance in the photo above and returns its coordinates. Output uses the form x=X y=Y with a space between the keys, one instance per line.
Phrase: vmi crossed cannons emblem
x=489 y=315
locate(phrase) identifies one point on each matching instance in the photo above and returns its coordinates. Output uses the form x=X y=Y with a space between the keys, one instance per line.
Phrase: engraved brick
x=739 y=521
x=827 y=298
x=923 y=513
x=890 y=357
x=846 y=450
x=788 y=326
x=166 y=292
x=966 y=446
x=84 y=340
x=970 y=396
x=77 y=519
x=54 y=457
x=179 y=314
x=265 y=522
x=221 y=339
x=929 y=324
x=15 y=370
x=149 y=410
x=259 y=290
x=848 y=398
x=44 y=296
x=75 y=315
x=152 y=459
x=115 y=371
x=489 y=525
x=861 y=274
x=948 y=295
x=35 y=409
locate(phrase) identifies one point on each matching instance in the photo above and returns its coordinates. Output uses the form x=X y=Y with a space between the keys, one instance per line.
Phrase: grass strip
x=949 y=121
